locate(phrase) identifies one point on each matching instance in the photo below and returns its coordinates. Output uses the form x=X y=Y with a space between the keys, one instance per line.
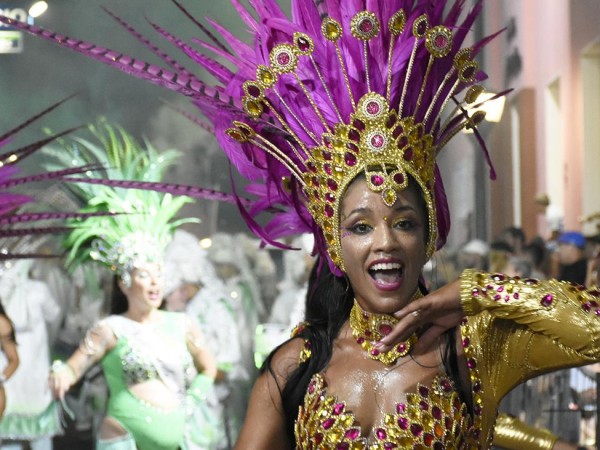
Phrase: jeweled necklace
x=368 y=328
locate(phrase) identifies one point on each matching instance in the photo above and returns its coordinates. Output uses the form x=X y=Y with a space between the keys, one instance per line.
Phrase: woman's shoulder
x=5 y=325
x=287 y=357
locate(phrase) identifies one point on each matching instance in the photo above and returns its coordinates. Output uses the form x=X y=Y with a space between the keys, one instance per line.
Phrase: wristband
x=60 y=366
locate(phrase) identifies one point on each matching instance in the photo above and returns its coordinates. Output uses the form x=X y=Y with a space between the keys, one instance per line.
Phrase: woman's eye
x=360 y=228
x=403 y=224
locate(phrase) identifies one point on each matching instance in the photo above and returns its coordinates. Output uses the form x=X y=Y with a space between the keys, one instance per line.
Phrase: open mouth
x=389 y=273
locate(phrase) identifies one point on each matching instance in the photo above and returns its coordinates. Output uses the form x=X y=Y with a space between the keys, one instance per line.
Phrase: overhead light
x=206 y=243
x=38 y=8
x=493 y=108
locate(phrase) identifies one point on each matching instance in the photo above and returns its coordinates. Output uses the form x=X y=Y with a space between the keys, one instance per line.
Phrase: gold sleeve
x=558 y=315
x=513 y=434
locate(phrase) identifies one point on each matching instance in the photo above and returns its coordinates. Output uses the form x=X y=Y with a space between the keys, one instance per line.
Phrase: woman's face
x=146 y=288
x=383 y=247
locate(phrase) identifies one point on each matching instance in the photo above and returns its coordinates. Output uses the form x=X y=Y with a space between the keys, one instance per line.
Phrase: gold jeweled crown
x=388 y=142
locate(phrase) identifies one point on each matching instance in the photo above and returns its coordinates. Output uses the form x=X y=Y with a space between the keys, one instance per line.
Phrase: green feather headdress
x=143 y=224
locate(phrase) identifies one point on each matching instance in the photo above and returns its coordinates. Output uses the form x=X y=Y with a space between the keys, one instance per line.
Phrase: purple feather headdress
x=20 y=232
x=340 y=89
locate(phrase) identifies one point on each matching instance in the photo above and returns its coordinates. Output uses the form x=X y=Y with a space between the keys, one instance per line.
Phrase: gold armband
x=512 y=434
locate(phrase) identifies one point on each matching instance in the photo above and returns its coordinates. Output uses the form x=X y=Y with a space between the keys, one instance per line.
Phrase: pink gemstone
x=338 y=409
x=311 y=387
x=423 y=405
x=350 y=159
x=374 y=352
x=597 y=312
x=516 y=295
x=471 y=363
x=466 y=341
x=327 y=168
x=586 y=307
x=385 y=329
x=399 y=178
x=547 y=300
x=377 y=180
x=446 y=386
x=365 y=25
x=506 y=298
x=283 y=58
x=497 y=297
x=327 y=142
x=401 y=347
x=352 y=434
x=500 y=289
x=377 y=141
x=330 y=197
x=329 y=211
x=381 y=434
x=498 y=277
x=403 y=423
x=475 y=293
x=360 y=340
x=331 y=184
x=408 y=154
x=373 y=108
x=440 y=41
x=389 y=446
x=328 y=423
x=477 y=386
x=315 y=181
x=327 y=156
x=400 y=408
x=352 y=146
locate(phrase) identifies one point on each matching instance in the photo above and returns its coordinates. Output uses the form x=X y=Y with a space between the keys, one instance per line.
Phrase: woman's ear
x=122 y=285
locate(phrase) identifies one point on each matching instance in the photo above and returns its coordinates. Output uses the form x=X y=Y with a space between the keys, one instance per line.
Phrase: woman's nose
x=384 y=237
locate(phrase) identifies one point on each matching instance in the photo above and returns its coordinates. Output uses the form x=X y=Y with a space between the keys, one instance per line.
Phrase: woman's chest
x=356 y=409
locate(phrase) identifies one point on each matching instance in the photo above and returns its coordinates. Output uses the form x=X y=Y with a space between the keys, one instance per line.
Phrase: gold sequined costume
x=512 y=332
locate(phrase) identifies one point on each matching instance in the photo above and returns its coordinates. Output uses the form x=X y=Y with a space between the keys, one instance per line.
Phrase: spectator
x=573 y=264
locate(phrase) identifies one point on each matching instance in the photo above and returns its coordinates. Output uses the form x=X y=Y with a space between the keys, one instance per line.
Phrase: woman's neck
x=145 y=316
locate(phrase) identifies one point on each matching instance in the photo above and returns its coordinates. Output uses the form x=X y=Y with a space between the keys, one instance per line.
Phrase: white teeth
x=386 y=266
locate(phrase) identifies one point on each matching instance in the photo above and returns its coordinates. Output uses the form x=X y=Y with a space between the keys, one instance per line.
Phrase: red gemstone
x=327 y=156
x=423 y=391
x=471 y=363
x=547 y=300
x=436 y=412
x=400 y=408
x=354 y=135
x=377 y=141
x=416 y=429
x=402 y=142
x=327 y=168
x=352 y=146
x=466 y=341
x=330 y=197
x=422 y=27
x=338 y=409
x=373 y=108
x=328 y=423
x=358 y=124
x=446 y=386
x=331 y=184
x=423 y=405
x=385 y=329
x=350 y=159
x=397 y=131
x=381 y=434
x=303 y=44
x=366 y=25
x=428 y=439
x=315 y=181
x=329 y=211
x=342 y=446
x=440 y=41
x=352 y=434
x=284 y=58
x=403 y=423
x=391 y=121
x=408 y=154
x=360 y=340
x=311 y=387
x=311 y=167
x=401 y=347
x=377 y=180
x=318 y=438
x=254 y=91
x=374 y=352
x=399 y=178
x=586 y=307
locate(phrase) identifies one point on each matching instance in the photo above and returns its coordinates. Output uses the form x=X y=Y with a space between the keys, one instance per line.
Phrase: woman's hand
x=435 y=313
x=61 y=379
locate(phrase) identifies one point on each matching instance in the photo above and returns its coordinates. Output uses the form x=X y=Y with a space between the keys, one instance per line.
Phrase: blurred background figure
x=473 y=255
x=31 y=417
x=593 y=267
x=9 y=357
x=554 y=216
x=571 y=257
x=498 y=257
x=193 y=287
x=514 y=237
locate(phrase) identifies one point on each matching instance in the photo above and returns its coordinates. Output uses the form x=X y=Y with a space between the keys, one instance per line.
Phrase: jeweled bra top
x=432 y=418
